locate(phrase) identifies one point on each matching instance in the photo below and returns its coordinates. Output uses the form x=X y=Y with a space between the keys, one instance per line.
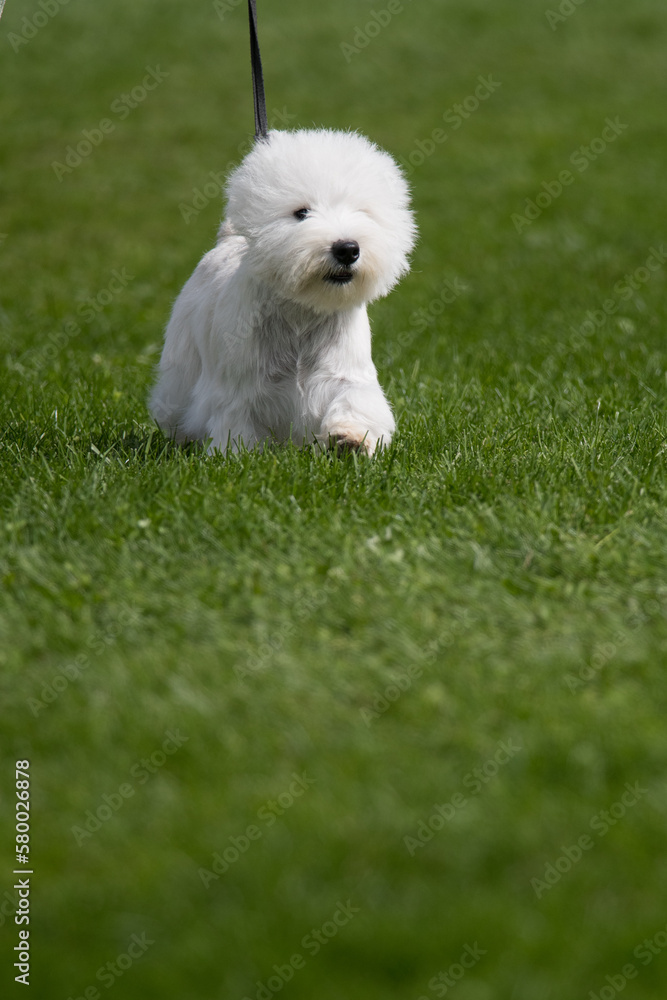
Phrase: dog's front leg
x=232 y=428
x=358 y=419
x=345 y=393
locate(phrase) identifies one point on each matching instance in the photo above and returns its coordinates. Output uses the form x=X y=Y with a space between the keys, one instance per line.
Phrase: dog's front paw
x=350 y=438
x=344 y=443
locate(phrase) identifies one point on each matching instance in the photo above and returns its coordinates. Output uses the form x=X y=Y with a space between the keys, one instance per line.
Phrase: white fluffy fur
x=262 y=344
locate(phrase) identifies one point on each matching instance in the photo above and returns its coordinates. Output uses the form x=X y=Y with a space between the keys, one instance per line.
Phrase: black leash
x=261 y=123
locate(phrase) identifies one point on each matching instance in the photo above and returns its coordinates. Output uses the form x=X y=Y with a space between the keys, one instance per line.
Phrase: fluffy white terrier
x=269 y=340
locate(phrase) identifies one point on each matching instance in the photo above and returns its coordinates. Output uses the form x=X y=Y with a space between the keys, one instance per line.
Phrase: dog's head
x=326 y=216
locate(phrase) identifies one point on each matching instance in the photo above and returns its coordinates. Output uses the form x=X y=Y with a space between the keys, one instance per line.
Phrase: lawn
x=319 y=726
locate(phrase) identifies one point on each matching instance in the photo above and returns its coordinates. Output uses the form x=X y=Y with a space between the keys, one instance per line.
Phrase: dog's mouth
x=343 y=276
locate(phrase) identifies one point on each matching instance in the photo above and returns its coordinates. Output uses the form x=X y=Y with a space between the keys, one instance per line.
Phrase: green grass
x=503 y=562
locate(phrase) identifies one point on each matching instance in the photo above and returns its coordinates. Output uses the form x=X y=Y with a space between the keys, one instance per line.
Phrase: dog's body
x=269 y=339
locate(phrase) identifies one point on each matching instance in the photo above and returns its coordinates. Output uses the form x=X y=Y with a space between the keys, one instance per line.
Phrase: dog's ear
x=226 y=229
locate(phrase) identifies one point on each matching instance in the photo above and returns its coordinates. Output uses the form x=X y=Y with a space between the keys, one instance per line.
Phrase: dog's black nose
x=345 y=251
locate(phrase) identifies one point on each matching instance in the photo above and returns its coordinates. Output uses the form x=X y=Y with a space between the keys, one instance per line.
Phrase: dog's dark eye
x=301 y=213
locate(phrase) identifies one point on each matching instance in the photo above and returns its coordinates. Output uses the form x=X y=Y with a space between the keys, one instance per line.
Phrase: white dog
x=269 y=340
